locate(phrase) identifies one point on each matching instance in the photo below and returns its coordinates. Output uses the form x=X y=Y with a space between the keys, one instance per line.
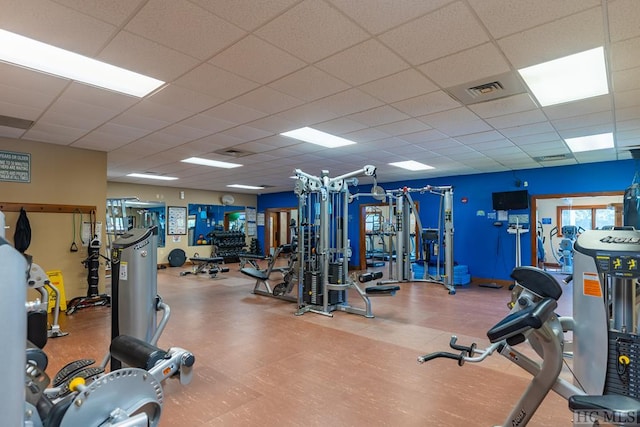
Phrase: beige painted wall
x=65 y=176
x=171 y=197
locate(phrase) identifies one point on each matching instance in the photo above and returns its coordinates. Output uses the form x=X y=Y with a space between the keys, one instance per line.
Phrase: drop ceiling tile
x=363 y=63
x=267 y=100
x=596 y=156
x=145 y=56
x=500 y=107
x=340 y=126
x=215 y=82
x=624 y=54
x=77 y=115
x=378 y=116
x=624 y=16
x=403 y=85
x=503 y=144
x=174 y=96
x=207 y=123
x=246 y=14
x=536 y=138
x=427 y=104
x=185 y=27
x=234 y=113
x=424 y=136
x=55 y=24
x=456 y=115
x=602 y=118
x=628 y=125
x=524 y=130
x=32 y=100
x=403 y=127
x=307 y=115
x=586 y=130
x=309 y=84
x=53 y=133
x=554 y=40
x=98 y=97
x=257 y=60
x=503 y=19
x=448 y=30
x=630 y=113
x=99 y=140
x=148 y=108
x=9 y=132
x=185 y=133
x=20 y=111
x=629 y=98
x=246 y=133
x=348 y=102
x=272 y=124
x=517 y=119
x=550 y=148
x=32 y=81
x=138 y=121
x=113 y=11
x=454 y=70
x=578 y=108
x=365 y=135
x=377 y=16
x=457 y=129
x=626 y=79
x=312 y=30
x=475 y=138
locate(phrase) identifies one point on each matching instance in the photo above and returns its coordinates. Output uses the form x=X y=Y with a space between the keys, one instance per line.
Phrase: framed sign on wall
x=176 y=220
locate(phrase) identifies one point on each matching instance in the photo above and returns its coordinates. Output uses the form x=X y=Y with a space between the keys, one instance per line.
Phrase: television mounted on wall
x=510 y=200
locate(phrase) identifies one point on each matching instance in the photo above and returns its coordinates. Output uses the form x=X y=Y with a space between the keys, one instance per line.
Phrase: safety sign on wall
x=15 y=167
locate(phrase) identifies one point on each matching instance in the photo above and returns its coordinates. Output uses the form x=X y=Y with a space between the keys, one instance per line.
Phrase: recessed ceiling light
x=150 y=176
x=590 y=143
x=212 y=163
x=318 y=137
x=579 y=76
x=246 y=187
x=19 y=50
x=412 y=165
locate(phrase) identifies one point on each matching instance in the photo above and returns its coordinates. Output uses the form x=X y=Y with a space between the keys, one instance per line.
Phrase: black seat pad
x=201 y=259
x=382 y=289
x=255 y=273
x=611 y=403
x=538 y=281
x=251 y=256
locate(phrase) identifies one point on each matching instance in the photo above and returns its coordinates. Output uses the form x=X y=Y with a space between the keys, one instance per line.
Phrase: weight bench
x=378 y=290
x=206 y=265
x=262 y=276
x=251 y=259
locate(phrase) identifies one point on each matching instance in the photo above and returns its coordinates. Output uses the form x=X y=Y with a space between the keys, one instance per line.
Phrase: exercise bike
x=533 y=320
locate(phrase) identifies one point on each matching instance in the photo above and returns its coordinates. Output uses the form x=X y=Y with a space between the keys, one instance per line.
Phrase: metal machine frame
x=323 y=243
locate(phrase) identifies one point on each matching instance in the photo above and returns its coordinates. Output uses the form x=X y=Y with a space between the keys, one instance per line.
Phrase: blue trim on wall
x=489 y=251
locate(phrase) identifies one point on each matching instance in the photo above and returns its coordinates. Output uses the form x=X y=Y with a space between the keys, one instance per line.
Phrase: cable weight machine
x=402 y=202
x=323 y=245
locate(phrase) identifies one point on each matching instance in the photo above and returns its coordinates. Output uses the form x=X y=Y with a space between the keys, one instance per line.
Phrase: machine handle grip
x=444 y=354
x=470 y=350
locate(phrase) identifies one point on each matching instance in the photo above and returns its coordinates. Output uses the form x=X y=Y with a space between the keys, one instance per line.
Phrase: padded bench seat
x=255 y=273
x=619 y=406
x=382 y=290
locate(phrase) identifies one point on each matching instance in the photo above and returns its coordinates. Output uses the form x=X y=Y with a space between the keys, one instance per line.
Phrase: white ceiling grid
x=240 y=72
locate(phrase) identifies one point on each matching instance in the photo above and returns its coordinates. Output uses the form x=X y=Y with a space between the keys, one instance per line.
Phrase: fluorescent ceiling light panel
x=29 y=53
x=246 y=187
x=212 y=163
x=150 y=176
x=579 y=76
x=590 y=143
x=412 y=165
x=315 y=136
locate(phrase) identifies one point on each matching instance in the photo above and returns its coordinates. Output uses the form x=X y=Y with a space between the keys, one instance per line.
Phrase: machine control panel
x=617 y=252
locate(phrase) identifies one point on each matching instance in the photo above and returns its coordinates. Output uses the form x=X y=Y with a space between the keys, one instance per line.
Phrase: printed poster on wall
x=176 y=220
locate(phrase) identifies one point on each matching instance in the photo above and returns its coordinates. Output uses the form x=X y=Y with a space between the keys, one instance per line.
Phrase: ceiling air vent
x=233 y=152
x=553 y=157
x=485 y=89
x=15 y=122
x=488 y=89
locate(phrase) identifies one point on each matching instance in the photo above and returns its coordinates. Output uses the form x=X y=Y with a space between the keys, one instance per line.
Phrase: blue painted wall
x=489 y=251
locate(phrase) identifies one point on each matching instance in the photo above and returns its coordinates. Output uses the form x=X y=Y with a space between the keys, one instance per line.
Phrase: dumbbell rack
x=229 y=243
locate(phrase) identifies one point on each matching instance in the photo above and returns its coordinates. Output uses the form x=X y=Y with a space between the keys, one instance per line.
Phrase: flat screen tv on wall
x=510 y=200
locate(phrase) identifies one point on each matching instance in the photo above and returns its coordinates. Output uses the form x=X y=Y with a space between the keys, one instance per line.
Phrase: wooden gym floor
x=259 y=365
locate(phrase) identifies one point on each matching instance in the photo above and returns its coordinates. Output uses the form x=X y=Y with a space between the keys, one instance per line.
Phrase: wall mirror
x=147 y=214
x=204 y=219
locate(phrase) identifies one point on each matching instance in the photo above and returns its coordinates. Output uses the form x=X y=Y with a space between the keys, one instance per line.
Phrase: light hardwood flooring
x=257 y=364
